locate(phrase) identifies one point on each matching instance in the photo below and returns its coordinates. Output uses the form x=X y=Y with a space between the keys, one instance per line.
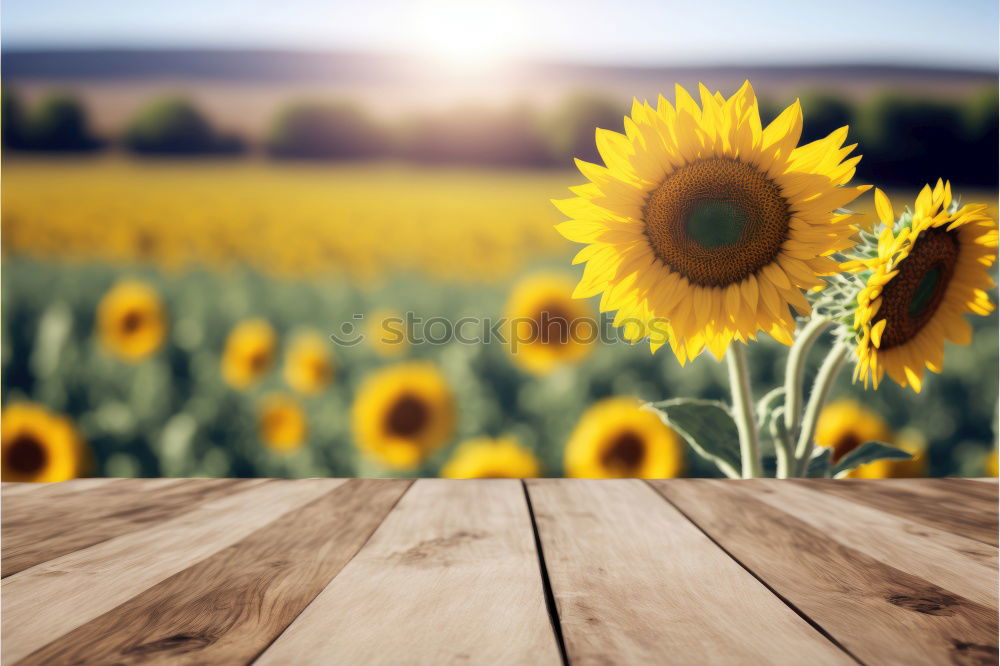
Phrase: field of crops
x=307 y=249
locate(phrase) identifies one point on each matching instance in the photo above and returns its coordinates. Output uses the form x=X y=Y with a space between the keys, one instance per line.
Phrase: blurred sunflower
x=990 y=463
x=402 y=413
x=249 y=353
x=308 y=363
x=845 y=424
x=546 y=326
x=38 y=445
x=702 y=227
x=131 y=322
x=616 y=438
x=282 y=423
x=486 y=458
x=386 y=333
x=930 y=268
x=910 y=440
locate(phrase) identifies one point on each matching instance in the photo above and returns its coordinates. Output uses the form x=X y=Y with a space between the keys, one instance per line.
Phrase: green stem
x=817 y=398
x=739 y=385
x=795 y=371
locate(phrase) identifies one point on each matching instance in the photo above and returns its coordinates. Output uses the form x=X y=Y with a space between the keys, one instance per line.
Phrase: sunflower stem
x=817 y=398
x=794 y=374
x=739 y=385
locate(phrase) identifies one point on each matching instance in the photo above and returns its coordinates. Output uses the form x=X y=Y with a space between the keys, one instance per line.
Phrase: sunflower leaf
x=708 y=427
x=819 y=465
x=866 y=453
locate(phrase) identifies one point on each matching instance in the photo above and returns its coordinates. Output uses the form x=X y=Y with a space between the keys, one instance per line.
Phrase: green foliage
x=866 y=453
x=59 y=124
x=708 y=427
x=174 y=126
x=325 y=130
x=823 y=113
x=12 y=121
x=571 y=126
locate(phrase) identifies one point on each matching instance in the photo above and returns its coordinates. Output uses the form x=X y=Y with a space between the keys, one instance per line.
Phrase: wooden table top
x=550 y=571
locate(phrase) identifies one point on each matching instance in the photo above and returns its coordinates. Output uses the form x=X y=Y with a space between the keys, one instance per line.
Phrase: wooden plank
x=962 y=565
x=985 y=479
x=42 y=528
x=230 y=606
x=51 y=599
x=635 y=582
x=880 y=613
x=953 y=508
x=451 y=575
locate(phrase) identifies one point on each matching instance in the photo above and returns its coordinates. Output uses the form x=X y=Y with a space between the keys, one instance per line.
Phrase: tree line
x=903 y=137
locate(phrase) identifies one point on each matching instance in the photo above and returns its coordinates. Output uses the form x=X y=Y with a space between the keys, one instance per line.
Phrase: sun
x=466 y=35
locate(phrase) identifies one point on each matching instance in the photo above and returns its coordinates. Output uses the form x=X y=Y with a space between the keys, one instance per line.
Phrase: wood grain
x=450 y=576
x=230 y=606
x=44 y=526
x=958 y=508
x=954 y=562
x=55 y=597
x=880 y=613
x=636 y=582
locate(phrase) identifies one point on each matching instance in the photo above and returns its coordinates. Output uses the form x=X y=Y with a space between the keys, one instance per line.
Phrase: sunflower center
x=624 y=453
x=26 y=455
x=553 y=324
x=132 y=321
x=716 y=221
x=258 y=361
x=844 y=445
x=408 y=416
x=910 y=299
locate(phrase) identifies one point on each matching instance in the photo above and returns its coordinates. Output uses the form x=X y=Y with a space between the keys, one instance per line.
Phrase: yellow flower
x=930 y=270
x=844 y=425
x=282 y=423
x=546 y=326
x=386 y=333
x=616 y=438
x=308 y=363
x=910 y=440
x=990 y=463
x=249 y=353
x=403 y=413
x=39 y=445
x=486 y=458
x=703 y=228
x=130 y=320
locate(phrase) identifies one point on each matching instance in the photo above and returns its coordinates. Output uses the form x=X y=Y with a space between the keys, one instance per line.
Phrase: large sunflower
x=930 y=268
x=616 y=438
x=703 y=227
x=308 y=363
x=845 y=425
x=38 y=445
x=130 y=320
x=249 y=353
x=547 y=327
x=485 y=458
x=403 y=413
x=282 y=423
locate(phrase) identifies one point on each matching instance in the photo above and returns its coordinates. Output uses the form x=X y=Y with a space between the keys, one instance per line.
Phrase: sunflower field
x=190 y=318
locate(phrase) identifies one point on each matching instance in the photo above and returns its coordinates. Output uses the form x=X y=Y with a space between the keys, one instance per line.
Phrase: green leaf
x=866 y=453
x=819 y=465
x=708 y=427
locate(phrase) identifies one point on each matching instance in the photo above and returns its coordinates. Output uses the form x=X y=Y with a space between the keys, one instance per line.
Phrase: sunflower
x=486 y=458
x=386 y=333
x=308 y=363
x=402 y=413
x=38 y=445
x=131 y=322
x=546 y=326
x=616 y=438
x=249 y=353
x=844 y=425
x=703 y=228
x=910 y=440
x=282 y=423
x=990 y=463
x=930 y=268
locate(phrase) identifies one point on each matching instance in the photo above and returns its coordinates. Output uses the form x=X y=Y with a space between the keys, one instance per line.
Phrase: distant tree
x=12 y=121
x=823 y=113
x=59 y=124
x=981 y=138
x=317 y=130
x=174 y=126
x=571 y=126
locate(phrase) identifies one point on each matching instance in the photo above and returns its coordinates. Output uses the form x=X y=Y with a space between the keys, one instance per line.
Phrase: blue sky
x=956 y=33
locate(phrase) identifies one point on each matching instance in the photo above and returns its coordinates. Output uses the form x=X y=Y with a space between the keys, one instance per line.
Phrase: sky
x=959 y=33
